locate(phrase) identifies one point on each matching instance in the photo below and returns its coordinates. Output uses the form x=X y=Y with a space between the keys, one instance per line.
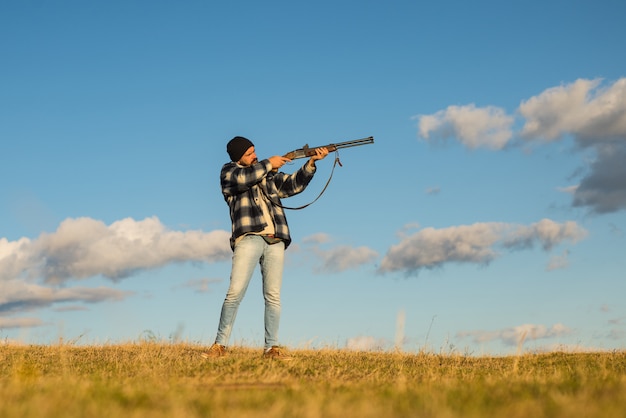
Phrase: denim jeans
x=253 y=249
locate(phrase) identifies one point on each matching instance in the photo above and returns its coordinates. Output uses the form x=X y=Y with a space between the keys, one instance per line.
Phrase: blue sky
x=488 y=217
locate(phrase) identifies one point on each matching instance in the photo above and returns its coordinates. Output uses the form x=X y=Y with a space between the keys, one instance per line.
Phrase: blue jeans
x=253 y=249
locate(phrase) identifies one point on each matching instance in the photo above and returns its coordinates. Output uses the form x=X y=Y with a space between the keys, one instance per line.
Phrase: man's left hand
x=320 y=153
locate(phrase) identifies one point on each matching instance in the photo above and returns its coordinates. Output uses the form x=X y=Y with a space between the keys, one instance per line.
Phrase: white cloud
x=582 y=108
x=70 y=308
x=433 y=190
x=558 y=261
x=7 y=323
x=15 y=257
x=595 y=115
x=344 y=258
x=18 y=295
x=478 y=243
x=488 y=127
x=337 y=259
x=200 y=285
x=85 y=247
x=517 y=335
x=320 y=238
x=591 y=111
x=603 y=190
x=547 y=232
x=365 y=343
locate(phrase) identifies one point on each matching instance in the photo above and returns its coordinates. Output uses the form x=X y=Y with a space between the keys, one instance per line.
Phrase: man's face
x=248 y=158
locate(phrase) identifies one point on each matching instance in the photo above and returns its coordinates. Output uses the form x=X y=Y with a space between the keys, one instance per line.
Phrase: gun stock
x=307 y=151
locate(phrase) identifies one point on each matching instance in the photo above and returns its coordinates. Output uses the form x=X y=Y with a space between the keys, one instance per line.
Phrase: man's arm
x=236 y=179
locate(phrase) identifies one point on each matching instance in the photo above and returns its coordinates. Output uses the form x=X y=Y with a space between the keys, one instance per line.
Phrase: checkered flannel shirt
x=241 y=187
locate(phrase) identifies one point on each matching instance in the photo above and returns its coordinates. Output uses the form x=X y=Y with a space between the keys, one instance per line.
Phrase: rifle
x=307 y=151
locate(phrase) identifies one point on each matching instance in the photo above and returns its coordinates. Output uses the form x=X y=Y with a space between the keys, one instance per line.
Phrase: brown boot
x=276 y=353
x=215 y=351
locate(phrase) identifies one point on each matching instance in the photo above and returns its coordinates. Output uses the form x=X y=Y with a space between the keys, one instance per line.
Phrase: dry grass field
x=173 y=380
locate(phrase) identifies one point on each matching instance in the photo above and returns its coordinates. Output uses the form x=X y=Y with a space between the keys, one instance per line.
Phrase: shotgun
x=307 y=151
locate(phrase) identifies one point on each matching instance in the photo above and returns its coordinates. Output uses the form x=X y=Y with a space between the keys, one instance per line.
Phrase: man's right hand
x=278 y=161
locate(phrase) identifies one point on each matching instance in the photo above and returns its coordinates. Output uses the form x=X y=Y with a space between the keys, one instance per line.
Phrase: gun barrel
x=353 y=143
x=307 y=151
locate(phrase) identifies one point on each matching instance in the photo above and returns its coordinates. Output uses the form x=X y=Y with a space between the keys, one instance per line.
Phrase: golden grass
x=173 y=380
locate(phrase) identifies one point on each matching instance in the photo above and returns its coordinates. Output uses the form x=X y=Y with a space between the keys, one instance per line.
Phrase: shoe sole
x=211 y=356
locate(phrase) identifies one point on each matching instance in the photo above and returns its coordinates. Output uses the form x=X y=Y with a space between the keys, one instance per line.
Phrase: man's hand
x=278 y=161
x=320 y=154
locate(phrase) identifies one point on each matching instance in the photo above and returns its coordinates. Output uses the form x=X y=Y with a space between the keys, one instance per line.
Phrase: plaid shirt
x=241 y=187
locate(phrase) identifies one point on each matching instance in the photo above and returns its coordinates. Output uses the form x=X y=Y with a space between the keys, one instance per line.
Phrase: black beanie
x=237 y=147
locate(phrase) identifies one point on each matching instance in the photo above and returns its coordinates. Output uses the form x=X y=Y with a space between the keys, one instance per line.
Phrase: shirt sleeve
x=291 y=184
x=236 y=178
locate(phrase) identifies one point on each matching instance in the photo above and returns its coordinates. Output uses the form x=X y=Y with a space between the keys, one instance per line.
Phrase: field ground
x=173 y=380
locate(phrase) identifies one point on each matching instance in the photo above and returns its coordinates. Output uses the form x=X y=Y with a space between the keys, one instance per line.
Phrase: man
x=260 y=234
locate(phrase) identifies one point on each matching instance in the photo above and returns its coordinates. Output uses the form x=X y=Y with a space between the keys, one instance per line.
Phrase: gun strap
x=318 y=196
